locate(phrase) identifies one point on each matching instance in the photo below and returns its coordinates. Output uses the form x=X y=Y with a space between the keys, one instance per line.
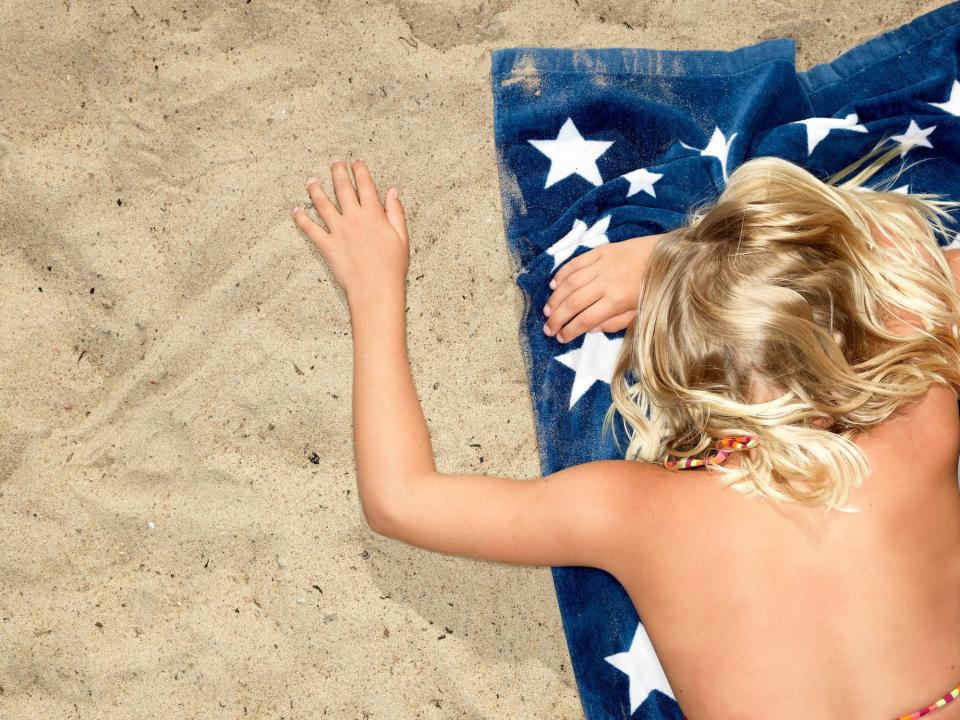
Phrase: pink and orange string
x=720 y=452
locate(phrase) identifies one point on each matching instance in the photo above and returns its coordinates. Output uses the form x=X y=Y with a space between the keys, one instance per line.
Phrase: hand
x=598 y=290
x=365 y=243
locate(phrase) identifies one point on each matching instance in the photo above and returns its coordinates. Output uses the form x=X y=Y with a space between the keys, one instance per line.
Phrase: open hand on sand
x=365 y=243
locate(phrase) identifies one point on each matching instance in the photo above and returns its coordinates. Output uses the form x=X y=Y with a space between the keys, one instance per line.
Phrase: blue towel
x=601 y=145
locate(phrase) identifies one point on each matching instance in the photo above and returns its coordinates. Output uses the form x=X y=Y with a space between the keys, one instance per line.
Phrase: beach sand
x=181 y=534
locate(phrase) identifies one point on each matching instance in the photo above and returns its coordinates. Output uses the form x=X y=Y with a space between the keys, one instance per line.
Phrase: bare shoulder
x=640 y=502
x=623 y=488
x=920 y=440
x=616 y=483
x=932 y=419
x=627 y=481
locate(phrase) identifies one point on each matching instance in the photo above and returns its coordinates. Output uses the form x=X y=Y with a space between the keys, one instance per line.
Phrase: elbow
x=377 y=519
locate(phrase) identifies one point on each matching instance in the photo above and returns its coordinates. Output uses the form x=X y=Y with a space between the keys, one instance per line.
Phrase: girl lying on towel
x=795 y=345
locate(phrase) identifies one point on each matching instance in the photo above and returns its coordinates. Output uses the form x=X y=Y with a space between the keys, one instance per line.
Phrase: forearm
x=390 y=434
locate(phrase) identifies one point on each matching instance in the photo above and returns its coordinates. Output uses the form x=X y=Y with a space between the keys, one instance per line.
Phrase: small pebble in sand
x=301 y=601
x=281 y=563
x=151 y=525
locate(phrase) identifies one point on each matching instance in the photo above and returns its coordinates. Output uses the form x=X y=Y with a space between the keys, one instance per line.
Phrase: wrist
x=651 y=241
x=377 y=309
x=644 y=250
x=378 y=300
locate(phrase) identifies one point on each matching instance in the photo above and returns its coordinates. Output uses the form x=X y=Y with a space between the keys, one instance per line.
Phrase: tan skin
x=756 y=609
x=598 y=289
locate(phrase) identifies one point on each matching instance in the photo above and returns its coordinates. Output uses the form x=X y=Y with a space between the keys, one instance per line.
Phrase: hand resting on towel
x=599 y=289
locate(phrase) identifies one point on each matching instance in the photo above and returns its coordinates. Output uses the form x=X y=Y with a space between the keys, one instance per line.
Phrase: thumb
x=395 y=213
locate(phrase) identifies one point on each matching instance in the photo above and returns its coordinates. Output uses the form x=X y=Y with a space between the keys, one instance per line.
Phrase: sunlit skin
x=802 y=632
x=598 y=289
x=566 y=518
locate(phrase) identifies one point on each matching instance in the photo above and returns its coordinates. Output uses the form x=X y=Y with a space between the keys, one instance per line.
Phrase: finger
x=346 y=195
x=589 y=318
x=396 y=214
x=572 y=305
x=365 y=187
x=616 y=323
x=313 y=231
x=572 y=283
x=578 y=263
x=325 y=209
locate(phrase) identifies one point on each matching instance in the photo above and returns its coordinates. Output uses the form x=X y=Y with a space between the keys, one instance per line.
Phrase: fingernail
x=547 y=330
x=596 y=329
x=295 y=208
x=553 y=284
x=311 y=179
x=546 y=310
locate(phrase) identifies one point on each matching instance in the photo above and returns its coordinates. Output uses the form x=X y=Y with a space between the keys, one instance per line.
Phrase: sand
x=174 y=353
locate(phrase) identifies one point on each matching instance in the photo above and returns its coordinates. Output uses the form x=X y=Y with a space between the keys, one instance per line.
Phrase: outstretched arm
x=573 y=517
x=366 y=247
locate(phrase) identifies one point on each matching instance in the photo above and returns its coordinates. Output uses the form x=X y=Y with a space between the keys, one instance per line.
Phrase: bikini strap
x=722 y=449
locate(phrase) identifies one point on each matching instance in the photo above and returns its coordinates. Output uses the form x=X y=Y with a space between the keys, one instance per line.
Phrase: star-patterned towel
x=600 y=145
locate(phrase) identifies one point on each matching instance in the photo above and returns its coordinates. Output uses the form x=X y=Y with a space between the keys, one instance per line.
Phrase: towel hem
x=640 y=61
x=877 y=49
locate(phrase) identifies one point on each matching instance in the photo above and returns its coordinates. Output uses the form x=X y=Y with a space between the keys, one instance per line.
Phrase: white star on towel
x=718 y=147
x=592 y=361
x=913 y=136
x=579 y=235
x=819 y=127
x=952 y=105
x=570 y=154
x=642 y=666
x=642 y=179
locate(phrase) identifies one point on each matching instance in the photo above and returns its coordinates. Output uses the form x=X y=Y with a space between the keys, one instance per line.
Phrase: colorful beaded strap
x=722 y=449
x=949 y=697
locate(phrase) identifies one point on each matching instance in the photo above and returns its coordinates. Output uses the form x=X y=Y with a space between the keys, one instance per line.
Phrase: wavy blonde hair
x=779 y=286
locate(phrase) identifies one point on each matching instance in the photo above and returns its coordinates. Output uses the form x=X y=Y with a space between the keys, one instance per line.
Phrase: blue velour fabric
x=601 y=145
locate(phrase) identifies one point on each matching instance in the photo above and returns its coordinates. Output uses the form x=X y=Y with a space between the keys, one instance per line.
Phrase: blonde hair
x=779 y=284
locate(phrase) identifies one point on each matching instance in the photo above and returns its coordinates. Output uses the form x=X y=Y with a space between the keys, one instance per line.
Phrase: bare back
x=759 y=609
